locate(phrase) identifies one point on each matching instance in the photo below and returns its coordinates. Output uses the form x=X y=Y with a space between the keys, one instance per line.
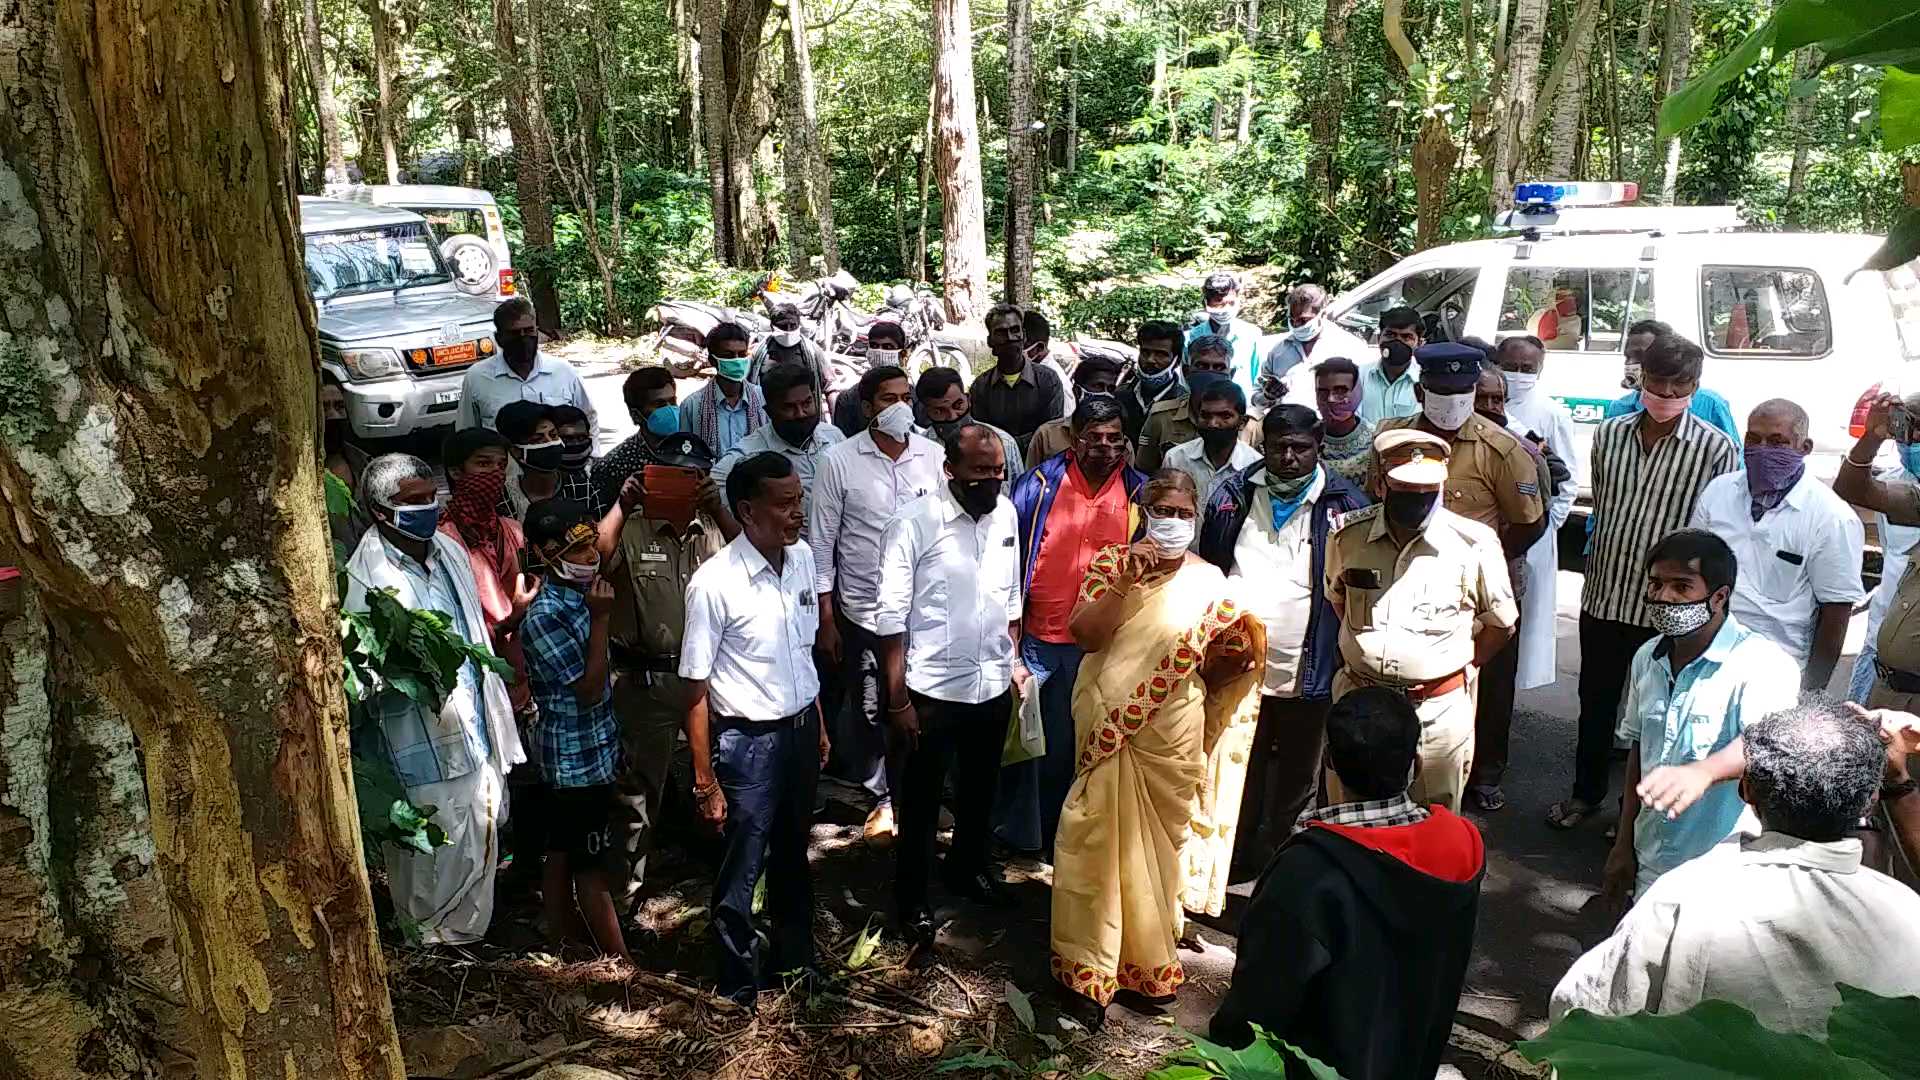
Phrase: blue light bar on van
x=1582 y=193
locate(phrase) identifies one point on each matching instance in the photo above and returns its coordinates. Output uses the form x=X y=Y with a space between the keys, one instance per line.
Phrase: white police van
x=1778 y=314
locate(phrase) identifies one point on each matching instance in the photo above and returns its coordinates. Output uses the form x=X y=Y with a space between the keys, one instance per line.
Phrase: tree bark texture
x=326 y=113
x=1250 y=31
x=533 y=164
x=794 y=174
x=1323 y=122
x=1676 y=51
x=1563 y=93
x=1514 y=115
x=385 y=71
x=924 y=160
x=1019 y=241
x=1072 y=77
x=161 y=488
x=729 y=69
x=963 y=254
x=1800 y=122
x=819 y=182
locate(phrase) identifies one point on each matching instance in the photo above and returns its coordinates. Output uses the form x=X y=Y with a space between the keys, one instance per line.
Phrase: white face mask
x=883 y=357
x=581 y=574
x=1222 y=314
x=786 y=338
x=1447 y=411
x=895 y=421
x=1520 y=385
x=1170 y=535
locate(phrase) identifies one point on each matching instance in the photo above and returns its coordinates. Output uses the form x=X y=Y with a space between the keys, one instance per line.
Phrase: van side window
x=1442 y=297
x=453 y=220
x=1777 y=312
x=1574 y=309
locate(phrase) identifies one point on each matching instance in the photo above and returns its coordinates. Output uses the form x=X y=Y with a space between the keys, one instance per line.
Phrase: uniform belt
x=799 y=719
x=1900 y=682
x=1421 y=691
x=627 y=658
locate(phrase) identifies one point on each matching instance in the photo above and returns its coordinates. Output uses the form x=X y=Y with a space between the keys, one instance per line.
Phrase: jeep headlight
x=367 y=364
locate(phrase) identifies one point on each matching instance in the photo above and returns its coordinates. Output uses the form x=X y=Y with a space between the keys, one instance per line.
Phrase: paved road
x=1539 y=881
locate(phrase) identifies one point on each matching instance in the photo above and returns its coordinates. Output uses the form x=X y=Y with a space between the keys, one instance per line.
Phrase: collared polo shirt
x=1639 y=496
x=579 y=744
x=1190 y=457
x=1802 y=553
x=750 y=630
x=858 y=490
x=1408 y=614
x=951 y=583
x=491 y=384
x=806 y=459
x=1383 y=398
x=1036 y=397
x=1681 y=719
x=1081 y=522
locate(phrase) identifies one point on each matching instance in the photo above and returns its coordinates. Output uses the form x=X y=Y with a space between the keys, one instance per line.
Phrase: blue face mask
x=1910 y=457
x=419 y=522
x=664 y=420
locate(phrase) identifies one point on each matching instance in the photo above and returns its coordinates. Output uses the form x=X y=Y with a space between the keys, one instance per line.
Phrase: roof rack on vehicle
x=1574 y=208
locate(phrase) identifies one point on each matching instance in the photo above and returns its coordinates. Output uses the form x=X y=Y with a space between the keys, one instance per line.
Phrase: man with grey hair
x=453 y=756
x=1798 y=545
x=1774 y=922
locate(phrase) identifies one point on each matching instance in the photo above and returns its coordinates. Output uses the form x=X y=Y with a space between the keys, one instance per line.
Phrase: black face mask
x=520 y=350
x=1216 y=439
x=796 y=432
x=546 y=458
x=1410 y=509
x=946 y=428
x=1395 y=354
x=977 y=497
x=333 y=434
x=575 y=454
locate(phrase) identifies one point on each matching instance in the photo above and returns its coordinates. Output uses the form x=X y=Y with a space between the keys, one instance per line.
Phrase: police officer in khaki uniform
x=1494 y=480
x=1424 y=601
x=650 y=558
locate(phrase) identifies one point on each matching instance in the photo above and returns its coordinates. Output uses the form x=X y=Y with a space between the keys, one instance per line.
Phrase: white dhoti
x=449 y=894
x=1541 y=415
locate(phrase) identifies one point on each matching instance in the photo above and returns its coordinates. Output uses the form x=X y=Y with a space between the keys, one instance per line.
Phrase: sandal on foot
x=1488 y=798
x=1569 y=813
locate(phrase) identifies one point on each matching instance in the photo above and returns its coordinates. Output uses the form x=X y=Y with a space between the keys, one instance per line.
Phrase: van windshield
x=386 y=257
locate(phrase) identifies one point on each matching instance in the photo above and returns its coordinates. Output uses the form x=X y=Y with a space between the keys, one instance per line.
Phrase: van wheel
x=476 y=269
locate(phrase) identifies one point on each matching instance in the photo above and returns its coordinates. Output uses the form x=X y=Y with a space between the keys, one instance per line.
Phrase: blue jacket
x=1033 y=501
x=1225 y=514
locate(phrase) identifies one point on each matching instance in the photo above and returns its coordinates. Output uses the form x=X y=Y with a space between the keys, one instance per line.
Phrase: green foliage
x=1116 y=312
x=416 y=652
x=1868 y=1038
x=386 y=815
x=26 y=398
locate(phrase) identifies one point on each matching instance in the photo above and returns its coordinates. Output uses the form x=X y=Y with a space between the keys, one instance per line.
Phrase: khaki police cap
x=1412 y=457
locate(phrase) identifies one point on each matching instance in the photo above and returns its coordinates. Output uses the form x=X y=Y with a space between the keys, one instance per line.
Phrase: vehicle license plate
x=446 y=397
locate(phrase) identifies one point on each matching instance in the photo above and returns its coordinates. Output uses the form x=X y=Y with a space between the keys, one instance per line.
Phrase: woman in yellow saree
x=1170 y=660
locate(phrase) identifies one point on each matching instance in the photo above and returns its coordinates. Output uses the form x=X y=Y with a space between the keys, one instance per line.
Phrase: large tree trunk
x=806 y=123
x=327 y=114
x=1800 y=117
x=1676 y=51
x=793 y=155
x=963 y=254
x=161 y=487
x=1323 y=120
x=729 y=69
x=385 y=70
x=1565 y=91
x=1019 y=240
x=1514 y=116
x=533 y=165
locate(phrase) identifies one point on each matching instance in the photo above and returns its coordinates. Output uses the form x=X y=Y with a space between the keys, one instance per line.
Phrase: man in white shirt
x=1798 y=544
x=1770 y=923
x=1268 y=524
x=1219 y=410
x=862 y=485
x=1535 y=416
x=753 y=722
x=793 y=430
x=948 y=615
x=518 y=372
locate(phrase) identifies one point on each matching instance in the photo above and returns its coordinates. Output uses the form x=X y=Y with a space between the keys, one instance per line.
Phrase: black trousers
x=853 y=697
x=767 y=771
x=1283 y=779
x=969 y=738
x=1493 y=714
x=1606 y=654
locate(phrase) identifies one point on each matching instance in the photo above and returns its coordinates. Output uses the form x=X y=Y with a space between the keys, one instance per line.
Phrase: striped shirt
x=1640 y=496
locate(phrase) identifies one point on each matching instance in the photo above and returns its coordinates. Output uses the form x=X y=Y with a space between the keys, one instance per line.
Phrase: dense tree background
x=1319 y=138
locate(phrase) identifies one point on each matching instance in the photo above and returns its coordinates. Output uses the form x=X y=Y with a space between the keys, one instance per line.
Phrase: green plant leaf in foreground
x=1877 y=1030
x=1901 y=246
x=981 y=1062
x=863 y=947
x=1795 y=23
x=1899 y=109
x=1896 y=41
x=1021 y=1004
x=1262 y=1060
x=1714 y=1040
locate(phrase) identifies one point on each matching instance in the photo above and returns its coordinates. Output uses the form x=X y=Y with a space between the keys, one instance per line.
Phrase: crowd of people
x=1165 y=629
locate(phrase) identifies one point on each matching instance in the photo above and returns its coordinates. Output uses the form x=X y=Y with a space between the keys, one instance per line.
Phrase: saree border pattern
x=1122 y=721
x=1091 y=982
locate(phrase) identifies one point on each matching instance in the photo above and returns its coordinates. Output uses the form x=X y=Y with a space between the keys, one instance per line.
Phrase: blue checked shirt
x=421 y=754
x=579 y=745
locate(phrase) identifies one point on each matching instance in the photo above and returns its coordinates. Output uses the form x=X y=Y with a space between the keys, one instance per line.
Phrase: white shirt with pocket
x=750 y=632
x=1802 y=553
x=1279 y=568
x=858 y=490
x=951 y=583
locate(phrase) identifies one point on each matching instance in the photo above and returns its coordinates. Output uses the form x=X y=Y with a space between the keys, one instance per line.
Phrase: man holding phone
x=1424 y=601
